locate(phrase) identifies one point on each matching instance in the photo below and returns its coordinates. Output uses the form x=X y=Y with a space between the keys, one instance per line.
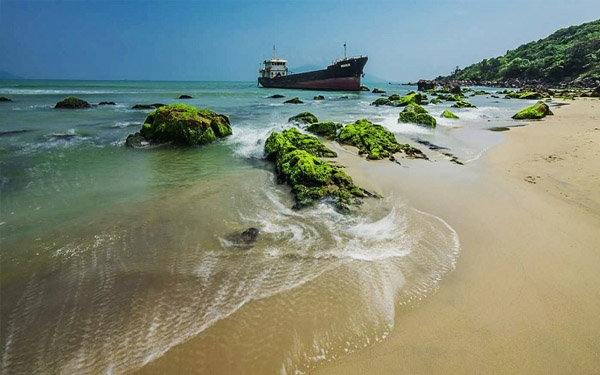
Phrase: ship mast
x=273 y=57
x=344 y=50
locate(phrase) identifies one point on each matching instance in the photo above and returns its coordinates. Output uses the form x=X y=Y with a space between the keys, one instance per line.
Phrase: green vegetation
x=304 y=118
x=185 y=125
x=416 y=114
x=396 y=100
x=448 y=114
x=567 y=54
x=537 y=111
x=292 y=137
x=463 y=104
x=72 y=103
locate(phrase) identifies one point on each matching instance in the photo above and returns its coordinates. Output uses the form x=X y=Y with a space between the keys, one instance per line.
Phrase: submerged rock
x=148 y=106
x=5 y=99
x=463 y=104
x=136 y=140
x=107 y=103
x=319 y=97
x=243 y=240
x=537 y=111
x=185 y=97
x=182 y=125
x=295 y=100
x=375 y=141
x=310 y=177
x=325 y=129
x=304 y=118
x=277 y=96
x=378 y=91
x=414 y=113
x=448 y=114
x=72 y=103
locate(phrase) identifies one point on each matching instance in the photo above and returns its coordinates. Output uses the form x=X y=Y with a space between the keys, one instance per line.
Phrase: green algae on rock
x=293 y=138
x=184 y=125
x=327 y=129
x=375 y=141
x=448 y=114
x=72 y=103
x=537 y=111
x=463 y=104
x=396 y=100
x=304 y=118
x=378 y=91
x=295 y=100
x=436 y=101
x=416 y=114
x=310 y=177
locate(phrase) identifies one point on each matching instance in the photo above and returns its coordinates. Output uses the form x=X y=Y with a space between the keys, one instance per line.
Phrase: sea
x=116 y=260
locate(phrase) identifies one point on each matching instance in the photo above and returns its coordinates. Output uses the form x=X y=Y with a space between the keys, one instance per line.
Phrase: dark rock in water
x=378 y=91
x=13 y=132
x=185 y=97
x=72 y=103
x=148 y=106
x=182 y=125
x=424 y=84
x=277 y=96
x=5 y=99
x=463 y=104
x=319 y=97
x=304 y=118
x=596 y=92
x=499 y=128
x=364 y=88
x=107 y=103
x=455 y=160
x=295 y=100
x=243 y=240
x=431 y=146
x=136 y=140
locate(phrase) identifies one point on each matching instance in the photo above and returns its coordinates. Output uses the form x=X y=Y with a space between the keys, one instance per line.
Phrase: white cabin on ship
x=274 y=68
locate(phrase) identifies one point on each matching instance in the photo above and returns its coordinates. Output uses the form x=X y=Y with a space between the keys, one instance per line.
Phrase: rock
x=319 y=97
x=243 y=240
x=375 y=141
x=185 y=97
x=148 y=106
x=448 y=114
x=452 y=88
x=381 y=101
x=325 y=129
x=304 y=118
x=480 y=92
x=414 y=113
x=378 y=91
x=424 y=85
x=5 y=99
x=250 y=235
x=295 y=100
x=183 y=125
x=463 y=104
x=277 y=96
x=436 y=101
x=537 y=111
x=310 y=177
x=401 y=101
x=394 y=97
x=136 y=140
x=364 y=88
x=107 y=103
x=596 y=92
x=72 y=103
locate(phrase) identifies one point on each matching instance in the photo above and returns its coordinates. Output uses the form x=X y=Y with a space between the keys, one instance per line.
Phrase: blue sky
x=226 y=40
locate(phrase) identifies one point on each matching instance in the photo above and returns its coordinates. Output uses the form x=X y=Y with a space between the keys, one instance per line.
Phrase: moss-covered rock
x=448 y=114
x=463 y=104
x=184 y=125
x=72 y=103
x=310 y=177
x=374 y=140
x=292 y=138
x=416 y=114
x=304 y=118
x=364 y=88
x=396 y=100
x=295 y=100
x=319 y=97
x=381 y=101
x=378 y=91
x=436 y=101
x=325 y=129
x=537 y=111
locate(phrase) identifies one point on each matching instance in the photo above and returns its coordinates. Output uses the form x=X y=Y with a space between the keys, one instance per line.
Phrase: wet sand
x=525 y=295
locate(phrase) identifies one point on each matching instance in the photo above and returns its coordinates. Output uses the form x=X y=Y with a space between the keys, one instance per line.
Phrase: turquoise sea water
x=112 y=256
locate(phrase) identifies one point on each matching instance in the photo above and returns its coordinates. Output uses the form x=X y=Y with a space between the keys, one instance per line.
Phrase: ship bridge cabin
x=274 y=68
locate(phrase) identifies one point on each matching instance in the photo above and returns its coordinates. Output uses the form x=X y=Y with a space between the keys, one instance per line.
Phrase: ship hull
x=342 y=76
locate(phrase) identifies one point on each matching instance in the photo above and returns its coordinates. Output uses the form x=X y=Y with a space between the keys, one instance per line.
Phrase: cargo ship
x=342 y=75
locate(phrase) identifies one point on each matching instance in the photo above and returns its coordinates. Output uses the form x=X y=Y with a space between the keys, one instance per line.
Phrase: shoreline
x=523 y=297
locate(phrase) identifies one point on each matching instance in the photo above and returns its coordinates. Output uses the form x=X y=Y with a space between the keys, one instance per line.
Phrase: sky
x=227 y=40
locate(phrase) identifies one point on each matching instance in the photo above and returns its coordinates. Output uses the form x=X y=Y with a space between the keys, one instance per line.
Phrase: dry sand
x=525 y=295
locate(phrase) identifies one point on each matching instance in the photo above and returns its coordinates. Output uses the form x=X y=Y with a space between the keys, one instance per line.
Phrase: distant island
x=6 y=75
x=569 y=56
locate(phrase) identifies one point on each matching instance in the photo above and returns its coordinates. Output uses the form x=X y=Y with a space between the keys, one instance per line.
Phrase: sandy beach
x=524 y=297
